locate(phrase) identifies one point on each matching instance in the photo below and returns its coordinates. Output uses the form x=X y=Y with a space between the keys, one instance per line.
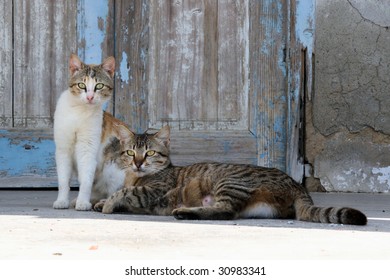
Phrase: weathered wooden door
x=228 y=76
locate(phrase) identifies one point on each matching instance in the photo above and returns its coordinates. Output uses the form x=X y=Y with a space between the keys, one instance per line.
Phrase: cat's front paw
x=108 y=207
x=99 y=206
x=73 y=203
x=185 y=214
x=61 y=204
x=83 y=205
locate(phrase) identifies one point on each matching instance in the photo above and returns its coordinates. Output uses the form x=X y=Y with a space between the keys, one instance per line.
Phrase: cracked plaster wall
x=348 y=119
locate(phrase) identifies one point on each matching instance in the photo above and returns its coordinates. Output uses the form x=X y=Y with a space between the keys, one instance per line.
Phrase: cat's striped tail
x=306 y=211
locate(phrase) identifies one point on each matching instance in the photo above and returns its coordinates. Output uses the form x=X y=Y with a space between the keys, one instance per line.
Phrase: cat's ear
x=124 y=133
x=75 y=64
x=163 y=136
x=109 y=65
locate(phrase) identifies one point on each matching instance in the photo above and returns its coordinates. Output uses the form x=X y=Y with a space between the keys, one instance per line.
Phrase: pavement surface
x=31 y=229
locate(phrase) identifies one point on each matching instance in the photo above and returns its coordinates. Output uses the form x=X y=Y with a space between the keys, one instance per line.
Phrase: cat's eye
x=81 y=85
x=130 y=153
x=150 y=153
x=99 y=86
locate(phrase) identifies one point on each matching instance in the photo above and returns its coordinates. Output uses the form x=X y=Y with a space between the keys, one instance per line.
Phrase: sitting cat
x=210 y=190
x=82 y=133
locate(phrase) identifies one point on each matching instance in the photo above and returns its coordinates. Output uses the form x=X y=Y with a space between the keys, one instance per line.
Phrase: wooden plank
x=296 y=78
x=209 y=95
x=6 y=68
x=189 y=147
x=185 y=70
x=183 y=67
x=268 y=93
x=199 y=64
x=131 y=48
x=95 y=30
x=27 y=158
x=44 y=36
x=233 y=53
x=301 y=46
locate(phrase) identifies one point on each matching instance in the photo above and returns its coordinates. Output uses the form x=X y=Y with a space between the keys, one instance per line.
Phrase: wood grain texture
x=233 y=56
x=198 y=64
x=177 y=55
x=268 y=92
x=131 y=48
x=188 y=147
x=95 y=30
x=300 y=82
x=28 y=154
x=6 y=69
x=45 y=34
x=296 y=92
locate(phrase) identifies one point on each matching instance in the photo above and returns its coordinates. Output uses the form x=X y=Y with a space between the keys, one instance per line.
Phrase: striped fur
x=210 y=190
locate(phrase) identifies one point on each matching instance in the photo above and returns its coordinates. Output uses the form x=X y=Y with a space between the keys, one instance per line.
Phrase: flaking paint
x=91 y=23
x=21 y=157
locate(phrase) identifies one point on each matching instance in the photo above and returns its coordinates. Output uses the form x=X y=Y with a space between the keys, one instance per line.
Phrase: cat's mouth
x=138 y=172
x=91 y=102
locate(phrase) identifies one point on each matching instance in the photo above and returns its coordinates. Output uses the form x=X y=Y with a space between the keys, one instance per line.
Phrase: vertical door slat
x=132 y=42
x=268 y=80
x=6 y=64
x=44 y=34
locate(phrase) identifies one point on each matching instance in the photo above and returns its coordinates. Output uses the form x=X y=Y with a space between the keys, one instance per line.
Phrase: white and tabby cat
x=210 y=190
x=82 y=131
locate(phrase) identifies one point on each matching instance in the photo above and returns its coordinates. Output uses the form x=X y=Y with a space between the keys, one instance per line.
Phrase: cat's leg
x=109 y=178
x=115 y=201
x=99 y=205
x=64 y=172
x=73 y=203
x=214 y=207
x=215 y=212
x=139 y=200
x=86 y=155
x=228 y=198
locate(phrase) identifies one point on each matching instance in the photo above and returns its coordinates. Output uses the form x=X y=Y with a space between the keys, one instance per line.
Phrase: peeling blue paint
x=304 y=30
x=20 y=157
x=124 y=69
x=282 y=61
x=226 y=147
x=305 y=20
x=270 y=110
x=91 y=29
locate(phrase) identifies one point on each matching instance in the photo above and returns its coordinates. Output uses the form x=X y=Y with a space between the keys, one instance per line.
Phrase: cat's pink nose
x=89 y=97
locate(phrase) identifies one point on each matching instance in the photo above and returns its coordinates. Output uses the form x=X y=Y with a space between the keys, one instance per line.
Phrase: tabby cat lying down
x=209 y=191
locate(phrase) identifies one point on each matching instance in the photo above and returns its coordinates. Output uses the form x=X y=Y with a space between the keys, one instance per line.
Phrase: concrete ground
x=31 y=229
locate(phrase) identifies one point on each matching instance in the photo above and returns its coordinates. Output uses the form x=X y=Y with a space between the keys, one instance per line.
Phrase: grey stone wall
x=348 y=118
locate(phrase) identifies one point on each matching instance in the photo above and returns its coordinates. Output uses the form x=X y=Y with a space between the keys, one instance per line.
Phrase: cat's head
x=144 y=154
x=92 y=84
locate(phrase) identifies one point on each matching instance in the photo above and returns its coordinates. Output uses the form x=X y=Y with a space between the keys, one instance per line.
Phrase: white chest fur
x=73 y=119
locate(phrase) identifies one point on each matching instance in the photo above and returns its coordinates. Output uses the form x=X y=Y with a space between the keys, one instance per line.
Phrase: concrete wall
x=348 y=117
